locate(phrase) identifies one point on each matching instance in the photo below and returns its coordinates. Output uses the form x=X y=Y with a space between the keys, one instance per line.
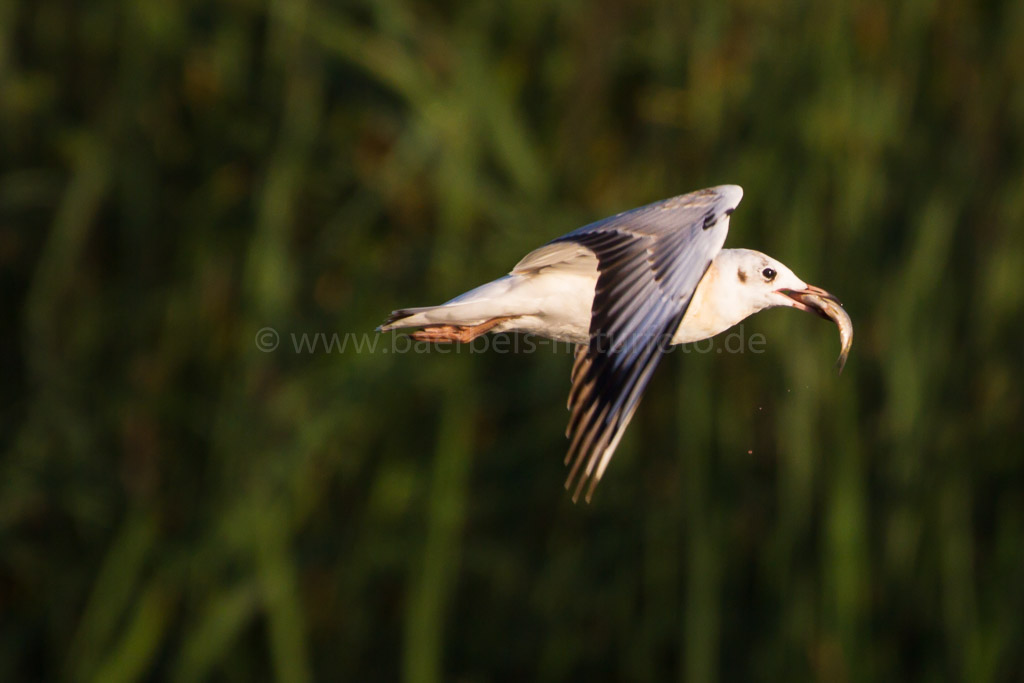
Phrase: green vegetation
x=176 y=504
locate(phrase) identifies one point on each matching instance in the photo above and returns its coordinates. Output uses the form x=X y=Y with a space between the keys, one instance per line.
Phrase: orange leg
x=456 y=333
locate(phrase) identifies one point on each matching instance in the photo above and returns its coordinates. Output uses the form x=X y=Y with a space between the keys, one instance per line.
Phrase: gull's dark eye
x=769 y=274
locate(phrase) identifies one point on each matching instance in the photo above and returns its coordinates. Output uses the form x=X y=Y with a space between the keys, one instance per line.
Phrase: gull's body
x=623 y=289
x=556 y=303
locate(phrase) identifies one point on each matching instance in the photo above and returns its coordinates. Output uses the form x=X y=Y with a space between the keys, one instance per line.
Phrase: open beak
x=819 y=302
x=812 y=300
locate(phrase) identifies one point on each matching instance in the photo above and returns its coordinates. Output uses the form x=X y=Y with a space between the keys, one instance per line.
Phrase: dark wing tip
x=607 y=388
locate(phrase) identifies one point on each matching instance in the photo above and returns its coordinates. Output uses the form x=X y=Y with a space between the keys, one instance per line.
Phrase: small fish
x=824 y=305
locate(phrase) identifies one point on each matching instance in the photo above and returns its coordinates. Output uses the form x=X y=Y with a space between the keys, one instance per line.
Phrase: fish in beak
x=819 y=302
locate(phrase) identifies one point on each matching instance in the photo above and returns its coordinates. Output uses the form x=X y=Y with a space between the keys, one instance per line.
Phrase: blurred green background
x=176 y=504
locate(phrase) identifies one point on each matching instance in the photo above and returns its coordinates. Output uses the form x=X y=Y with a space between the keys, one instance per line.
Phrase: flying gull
x=623 y=290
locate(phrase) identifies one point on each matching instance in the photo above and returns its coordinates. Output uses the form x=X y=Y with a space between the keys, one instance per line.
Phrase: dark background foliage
x=176 y=504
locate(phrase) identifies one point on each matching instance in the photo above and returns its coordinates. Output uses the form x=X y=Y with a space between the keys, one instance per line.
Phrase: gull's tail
x=475 y=307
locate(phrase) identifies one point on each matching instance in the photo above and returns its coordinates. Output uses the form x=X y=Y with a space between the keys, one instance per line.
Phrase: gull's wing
x=650 y=260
